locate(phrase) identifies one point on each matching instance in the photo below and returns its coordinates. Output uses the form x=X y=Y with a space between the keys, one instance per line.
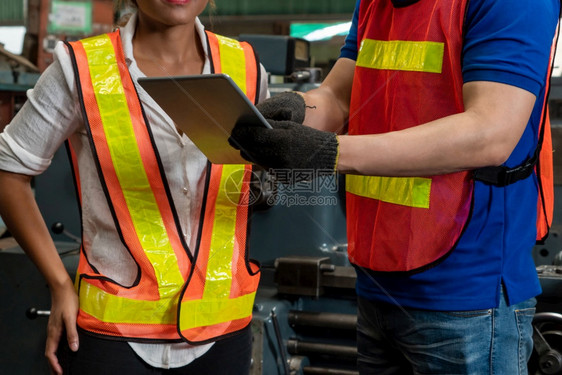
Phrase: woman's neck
x=162 y=51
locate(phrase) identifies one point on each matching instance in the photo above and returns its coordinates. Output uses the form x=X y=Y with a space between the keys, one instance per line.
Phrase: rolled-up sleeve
x=15 y=158
x=48 y=117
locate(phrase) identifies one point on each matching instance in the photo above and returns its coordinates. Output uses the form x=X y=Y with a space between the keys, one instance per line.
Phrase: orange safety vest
x=177 y=296
x=404 y=77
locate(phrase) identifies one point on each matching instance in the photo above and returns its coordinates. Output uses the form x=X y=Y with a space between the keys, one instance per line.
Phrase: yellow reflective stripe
x=232 y=60
x=125 y=154
x=401 y=55
x=219 y=268
x=197 y=313
x=114 y=309
x=216 y=306
x=405 y=191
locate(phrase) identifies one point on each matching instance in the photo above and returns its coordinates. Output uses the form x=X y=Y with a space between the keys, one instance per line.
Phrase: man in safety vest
x=449 y=179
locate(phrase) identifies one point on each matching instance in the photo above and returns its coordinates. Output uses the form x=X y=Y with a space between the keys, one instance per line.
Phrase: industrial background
x=304 y=317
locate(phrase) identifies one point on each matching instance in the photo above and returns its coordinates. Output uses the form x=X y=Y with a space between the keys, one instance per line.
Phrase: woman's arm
x=23 y=218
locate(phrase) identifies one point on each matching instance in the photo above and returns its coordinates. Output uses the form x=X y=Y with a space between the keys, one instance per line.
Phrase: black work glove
x=288 y=145
x=286 y=106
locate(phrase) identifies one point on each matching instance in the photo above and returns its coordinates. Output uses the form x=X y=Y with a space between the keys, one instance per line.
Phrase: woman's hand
x=20 y=212
x=64 y=310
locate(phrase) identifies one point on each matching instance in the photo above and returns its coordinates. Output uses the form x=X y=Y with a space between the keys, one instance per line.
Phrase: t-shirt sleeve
x=509 y=41
x=349 y=49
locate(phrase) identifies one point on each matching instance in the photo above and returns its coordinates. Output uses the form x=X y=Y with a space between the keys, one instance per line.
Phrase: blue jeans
x=396 y=340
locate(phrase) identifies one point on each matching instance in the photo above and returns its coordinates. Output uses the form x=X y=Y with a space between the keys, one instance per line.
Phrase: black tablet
x=206 y=108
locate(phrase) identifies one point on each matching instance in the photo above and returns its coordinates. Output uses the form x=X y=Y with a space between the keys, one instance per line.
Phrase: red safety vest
x=198 y=298
x=404 y=77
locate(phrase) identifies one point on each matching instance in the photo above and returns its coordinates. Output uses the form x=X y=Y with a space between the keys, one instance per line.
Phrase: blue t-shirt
x=508 y=42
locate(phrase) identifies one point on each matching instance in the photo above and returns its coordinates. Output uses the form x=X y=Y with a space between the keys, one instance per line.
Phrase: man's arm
x=328 y=106
x=484 y=134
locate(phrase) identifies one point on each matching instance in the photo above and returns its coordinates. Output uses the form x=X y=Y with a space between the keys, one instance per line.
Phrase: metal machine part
x=318 y=315
x=305 y=347
x=25 y=309
x=342 y=352
x=547 y=324
x=310 y=276
x=310 y=75
x=322 y=320
x=547 y=339
x=282 y=55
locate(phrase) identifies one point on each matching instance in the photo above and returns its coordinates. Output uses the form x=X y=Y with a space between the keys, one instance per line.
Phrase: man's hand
x=286 y=106
x=288 y=145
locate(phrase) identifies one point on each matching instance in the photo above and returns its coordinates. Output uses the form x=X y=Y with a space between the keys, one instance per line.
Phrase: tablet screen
x=206 y=108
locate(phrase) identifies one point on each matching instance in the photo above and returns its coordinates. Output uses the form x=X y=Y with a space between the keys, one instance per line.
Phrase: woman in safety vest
x=163 y=280
x=448 y=172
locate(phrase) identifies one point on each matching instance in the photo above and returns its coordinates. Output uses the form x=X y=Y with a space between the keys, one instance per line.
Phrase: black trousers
x=97 y=356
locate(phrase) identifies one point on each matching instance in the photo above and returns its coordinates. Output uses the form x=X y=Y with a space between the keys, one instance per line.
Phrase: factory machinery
x=305 y=309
